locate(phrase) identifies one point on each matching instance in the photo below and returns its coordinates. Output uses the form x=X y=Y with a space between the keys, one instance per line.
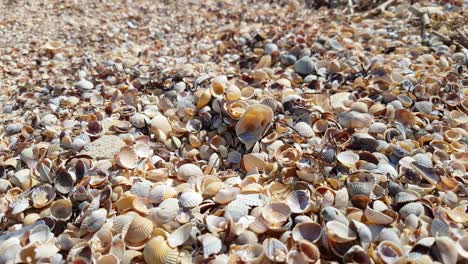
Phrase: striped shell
x=157 y=251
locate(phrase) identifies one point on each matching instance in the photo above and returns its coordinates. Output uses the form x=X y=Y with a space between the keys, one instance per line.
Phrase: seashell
x=448 y=253
x=138 y=231
x=304 y=129
x=405 y=197
x=211 y=244
x=348 y=158
x=157 y=251
x=127 y=158
x=253 y=123
x=160 y=193
x=188 y=170
x=298 y=201
x=143 y=150
x=190 y=199
x=275 y=250
x=226 y=195
x=64 y=181
x=61 y=209
x=236 y=210
x=462 y=247
x=160 y=123
x=94 y=221
x=307 y=231
x=388 y=252
x=42 y=196
x=353 y=119
x=215 y=224
x=411 y=208
x=276 y=214
x=250 y=253
x=203 y=97
x=9 y=250
x=180 y=235
x=363 y=232
x=339 y=232
x=40 y=234
x=253 y=163
x=356 y=254
x=457 y=214
x=329 y=213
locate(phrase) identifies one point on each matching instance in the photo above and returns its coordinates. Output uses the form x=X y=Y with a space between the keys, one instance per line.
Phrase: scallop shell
x=190 y=199
x=348 y=158
x=61 y=209
x=253 y=123
x=157 y=251
x=180 y=235
x=211 y=244
x=275 y=250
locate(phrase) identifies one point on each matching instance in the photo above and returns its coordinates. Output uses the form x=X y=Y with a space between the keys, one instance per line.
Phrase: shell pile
x=233 y=132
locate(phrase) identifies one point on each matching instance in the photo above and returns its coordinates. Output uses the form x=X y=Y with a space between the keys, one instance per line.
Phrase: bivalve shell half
x=253 y=124
x=348 y=158
x=339 y=232
x=127 y=158
x=211 y=244
x=275 y=250
x=61 y=209
x=309 y=231
x=157 y=251
x=190 y=199
x=388 y=252
x=180 y=235
x=188 y=170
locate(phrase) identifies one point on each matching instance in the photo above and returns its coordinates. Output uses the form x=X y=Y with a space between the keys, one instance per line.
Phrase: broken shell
x=275 y=250
x=180 y=235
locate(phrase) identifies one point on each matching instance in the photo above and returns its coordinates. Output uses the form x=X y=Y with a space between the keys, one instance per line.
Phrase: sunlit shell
x=329 y=213
x=405 y=197
x=339 y=232
x=211 y=245
x=180 y=235
x=203 y=97
x=276 y=214
x=143 y=150
x=304 y=129
x=287 y=155
x=61 y=209
x=236 y=210
x=253 y=123
x=9 y=250
x=64 y=181
x=275 y=250
x=161 y=123
x=157 y=251
x=215 y=224
x=190 y=199
x=188 y=170
x=22 y=179
x=309 y=231
x=348 y=158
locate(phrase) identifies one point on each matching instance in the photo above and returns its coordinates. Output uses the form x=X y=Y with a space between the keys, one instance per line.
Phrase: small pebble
x=304 y=66
x=287 y=59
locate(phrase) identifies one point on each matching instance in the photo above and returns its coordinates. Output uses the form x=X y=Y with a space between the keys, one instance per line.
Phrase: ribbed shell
x=157 y=251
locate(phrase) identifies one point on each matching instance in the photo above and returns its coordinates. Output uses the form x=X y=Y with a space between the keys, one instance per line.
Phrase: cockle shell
x=180 y=235
x=94 y=220
x=61 y=209
x=275 y=250
x=157 y=251
x=211 y=244
x=127 y=158
x=188 y=170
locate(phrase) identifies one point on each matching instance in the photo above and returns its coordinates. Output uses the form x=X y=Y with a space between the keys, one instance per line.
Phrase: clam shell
x=275 y=250
x=339 y=232
x=180 y=235
x=307 y=231
x=348 y=158
x=95 y=220
x=9 y=249
x=388 y=252
x=61 y=209
x=216 y=224
x=157 y=251
x=304 y=129
x=363 y=232
x=42 y=196
x=127 y=158
x=253 y=123
x=298 y=201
